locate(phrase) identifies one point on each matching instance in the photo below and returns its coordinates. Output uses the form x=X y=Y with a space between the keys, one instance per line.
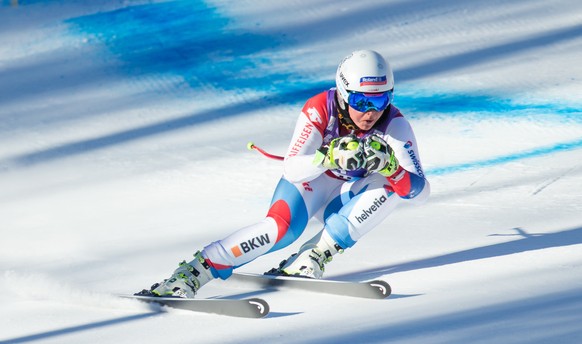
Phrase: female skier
x=352 y=159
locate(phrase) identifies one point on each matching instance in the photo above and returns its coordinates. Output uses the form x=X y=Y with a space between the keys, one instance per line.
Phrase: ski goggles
x=364 y=102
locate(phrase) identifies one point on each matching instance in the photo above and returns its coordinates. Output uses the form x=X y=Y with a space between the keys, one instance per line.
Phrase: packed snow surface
x=123 y=131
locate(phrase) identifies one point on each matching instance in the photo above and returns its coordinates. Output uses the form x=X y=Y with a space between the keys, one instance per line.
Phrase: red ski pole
x=252 y=146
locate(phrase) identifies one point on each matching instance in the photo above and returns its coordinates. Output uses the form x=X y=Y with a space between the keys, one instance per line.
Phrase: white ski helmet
x=363 y=71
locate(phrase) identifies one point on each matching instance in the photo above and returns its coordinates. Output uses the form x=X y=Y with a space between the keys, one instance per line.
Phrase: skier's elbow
x=419 y=193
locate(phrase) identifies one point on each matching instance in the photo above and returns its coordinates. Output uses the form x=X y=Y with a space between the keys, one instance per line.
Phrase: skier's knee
x=338 y=228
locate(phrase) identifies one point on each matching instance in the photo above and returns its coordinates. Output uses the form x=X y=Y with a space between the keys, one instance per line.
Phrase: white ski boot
x=184 y=282
x=311 y=259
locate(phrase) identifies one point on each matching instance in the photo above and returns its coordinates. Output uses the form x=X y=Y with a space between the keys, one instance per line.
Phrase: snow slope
x=123 y=131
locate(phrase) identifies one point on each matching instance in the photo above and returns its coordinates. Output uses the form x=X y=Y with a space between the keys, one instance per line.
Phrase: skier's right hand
x=346 y=153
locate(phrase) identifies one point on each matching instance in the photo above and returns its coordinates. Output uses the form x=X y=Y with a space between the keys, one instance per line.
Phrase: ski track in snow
x=123 y=132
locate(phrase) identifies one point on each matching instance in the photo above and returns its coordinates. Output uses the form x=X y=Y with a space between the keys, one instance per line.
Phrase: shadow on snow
x=529 y=242
x=548 y=318
x=80 y=328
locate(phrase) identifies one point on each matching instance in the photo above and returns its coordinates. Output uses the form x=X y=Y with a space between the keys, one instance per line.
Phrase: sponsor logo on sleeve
x=303 y=136
x=414 y=159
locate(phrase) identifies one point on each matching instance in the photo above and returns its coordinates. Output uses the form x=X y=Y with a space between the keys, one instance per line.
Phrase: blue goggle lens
x=364 y=102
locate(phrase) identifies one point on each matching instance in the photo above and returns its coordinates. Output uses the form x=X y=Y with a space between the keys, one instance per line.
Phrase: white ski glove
x=346 y=153
x=379 y=156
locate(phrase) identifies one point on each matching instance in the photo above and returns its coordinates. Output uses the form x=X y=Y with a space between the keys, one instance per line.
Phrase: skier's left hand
x=379 y=156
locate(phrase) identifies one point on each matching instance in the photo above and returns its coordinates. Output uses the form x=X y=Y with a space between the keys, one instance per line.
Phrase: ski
x=376 y=289
x=245 y=308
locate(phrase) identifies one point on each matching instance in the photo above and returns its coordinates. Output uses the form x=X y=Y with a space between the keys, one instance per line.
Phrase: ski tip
x=262 y=306
x=382 y=288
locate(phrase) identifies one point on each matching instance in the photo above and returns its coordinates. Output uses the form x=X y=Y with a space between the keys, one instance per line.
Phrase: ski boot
x=184 y=282
x=310 y=261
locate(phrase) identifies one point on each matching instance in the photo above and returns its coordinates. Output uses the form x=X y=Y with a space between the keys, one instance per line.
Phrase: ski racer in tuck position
x=352 y=160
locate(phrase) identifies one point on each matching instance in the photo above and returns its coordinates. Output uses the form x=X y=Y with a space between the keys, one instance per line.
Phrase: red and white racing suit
x=349 y=203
